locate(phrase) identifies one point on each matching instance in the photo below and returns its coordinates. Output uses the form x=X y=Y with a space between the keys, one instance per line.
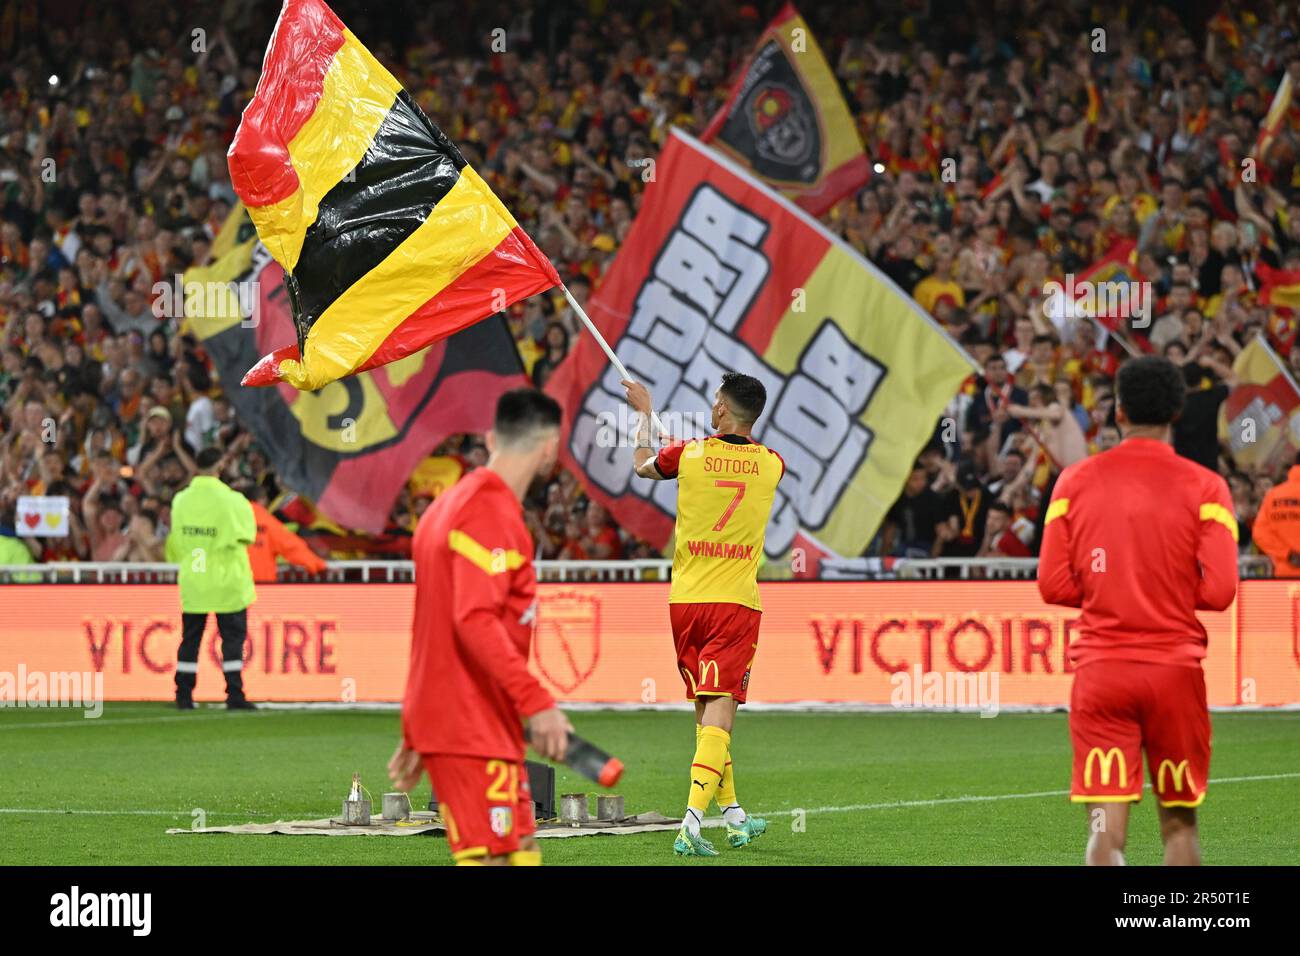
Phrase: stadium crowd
x=113 y=177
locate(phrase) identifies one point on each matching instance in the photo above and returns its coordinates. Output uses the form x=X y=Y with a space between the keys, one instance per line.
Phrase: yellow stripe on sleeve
x=1056 y=509
x=1211 y=511
x=496 y=561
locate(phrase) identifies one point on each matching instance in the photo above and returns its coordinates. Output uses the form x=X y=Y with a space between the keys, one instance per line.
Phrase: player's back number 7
x=739 y=487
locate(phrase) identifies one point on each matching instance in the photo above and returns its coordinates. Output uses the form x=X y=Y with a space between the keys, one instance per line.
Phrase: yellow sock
x=726 y=795
x=526 y=858
x=706 y=772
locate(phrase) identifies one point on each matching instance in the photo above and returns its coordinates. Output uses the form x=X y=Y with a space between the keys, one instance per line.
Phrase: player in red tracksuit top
x=1140 y=539
x=469 y=689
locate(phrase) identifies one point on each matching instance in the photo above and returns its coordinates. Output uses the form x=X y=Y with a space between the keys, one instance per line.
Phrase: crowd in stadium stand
x=113 y=177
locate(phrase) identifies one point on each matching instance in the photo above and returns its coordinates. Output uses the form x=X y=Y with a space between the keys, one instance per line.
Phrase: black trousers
x=233 y=628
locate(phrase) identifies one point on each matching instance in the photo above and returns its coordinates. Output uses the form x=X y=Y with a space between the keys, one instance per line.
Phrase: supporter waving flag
x=389 y=240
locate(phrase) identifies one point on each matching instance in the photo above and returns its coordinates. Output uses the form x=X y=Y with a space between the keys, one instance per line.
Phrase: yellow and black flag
x=388 y=239
x=786 y=120
x=350 y=446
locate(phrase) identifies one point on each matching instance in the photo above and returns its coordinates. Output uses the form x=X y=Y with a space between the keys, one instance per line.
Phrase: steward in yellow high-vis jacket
x=212 y=526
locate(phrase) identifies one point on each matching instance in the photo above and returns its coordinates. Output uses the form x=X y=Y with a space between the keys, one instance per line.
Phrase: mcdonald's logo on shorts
x=690 y=678
x=704 y=673
x=1179 y=773
x=1106 y=760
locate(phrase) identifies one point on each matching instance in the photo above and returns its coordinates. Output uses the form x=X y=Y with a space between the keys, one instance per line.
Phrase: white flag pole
x=609 y=352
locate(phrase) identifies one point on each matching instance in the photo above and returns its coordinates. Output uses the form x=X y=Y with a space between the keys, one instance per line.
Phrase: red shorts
x=716 y=644
x=485 y=803
x=1120 y=708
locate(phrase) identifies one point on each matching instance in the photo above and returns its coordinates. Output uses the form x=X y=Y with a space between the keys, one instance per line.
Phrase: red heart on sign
x=32 y=520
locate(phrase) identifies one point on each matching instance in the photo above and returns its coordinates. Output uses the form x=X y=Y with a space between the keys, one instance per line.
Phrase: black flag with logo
x=786 y=120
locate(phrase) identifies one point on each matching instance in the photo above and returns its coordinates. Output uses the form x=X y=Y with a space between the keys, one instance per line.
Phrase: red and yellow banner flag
x=1110 y=292
x=1271 y=125
x=1279 y=288
x=1261 y=418
x=388 y=239
x=787 y=122
x=1093 y=112
x=1117 y=266
x=720 y=273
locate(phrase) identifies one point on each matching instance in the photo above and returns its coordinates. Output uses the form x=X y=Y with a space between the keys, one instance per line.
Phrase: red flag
x=1278 y=287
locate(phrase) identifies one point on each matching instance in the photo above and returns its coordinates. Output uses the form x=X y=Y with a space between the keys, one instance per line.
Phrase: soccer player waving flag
x=1140 y=564
x=389 y=240
x=725 y=487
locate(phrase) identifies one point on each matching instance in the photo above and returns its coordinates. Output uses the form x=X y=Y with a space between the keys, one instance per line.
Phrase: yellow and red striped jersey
x=725 y=487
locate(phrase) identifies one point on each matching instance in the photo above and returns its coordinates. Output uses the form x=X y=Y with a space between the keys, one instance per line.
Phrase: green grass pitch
x=880 y=788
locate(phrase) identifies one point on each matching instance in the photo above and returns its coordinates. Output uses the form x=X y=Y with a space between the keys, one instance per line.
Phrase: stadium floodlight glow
x=54 y=79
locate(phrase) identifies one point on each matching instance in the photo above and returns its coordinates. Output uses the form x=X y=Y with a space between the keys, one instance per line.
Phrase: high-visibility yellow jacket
x=211 y=528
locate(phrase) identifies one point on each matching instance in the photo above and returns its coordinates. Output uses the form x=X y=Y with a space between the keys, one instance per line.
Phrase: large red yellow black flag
x=389 y=240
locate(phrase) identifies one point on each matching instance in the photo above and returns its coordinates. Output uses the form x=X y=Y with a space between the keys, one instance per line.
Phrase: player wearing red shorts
x=1140 y=539
x=468 y=689
x=725 y=487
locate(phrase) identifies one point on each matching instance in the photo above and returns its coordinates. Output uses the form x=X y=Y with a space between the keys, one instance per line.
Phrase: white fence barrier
x=832 y=569
x=104 y=572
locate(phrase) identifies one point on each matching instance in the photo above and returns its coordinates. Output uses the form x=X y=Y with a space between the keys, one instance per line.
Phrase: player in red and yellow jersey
x=725 y=487
x=1140 y=539
x=469 y=689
